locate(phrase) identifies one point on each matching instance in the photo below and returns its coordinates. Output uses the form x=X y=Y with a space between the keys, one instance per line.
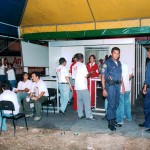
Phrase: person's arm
x=25 y=90
x=38 y=97
x=103 y=80
x=122 y=84
x=145 y=89
x=68 y=80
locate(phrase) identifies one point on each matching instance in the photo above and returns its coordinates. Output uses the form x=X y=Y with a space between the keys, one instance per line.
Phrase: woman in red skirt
x=74 y=96
x=93 y=69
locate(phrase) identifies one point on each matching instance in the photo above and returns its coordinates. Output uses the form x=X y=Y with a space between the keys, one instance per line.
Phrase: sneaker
x=62 y=113
x=92 y=118
x=29 y=115
x=141 y=125
x=81 y=117
x=92 y=108
x=37 y=118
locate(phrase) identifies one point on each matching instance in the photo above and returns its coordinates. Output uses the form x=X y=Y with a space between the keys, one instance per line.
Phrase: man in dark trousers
x=146 y=92
x=111 y=84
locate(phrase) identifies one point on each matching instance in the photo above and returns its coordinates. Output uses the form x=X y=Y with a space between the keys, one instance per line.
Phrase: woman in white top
x=11 y=76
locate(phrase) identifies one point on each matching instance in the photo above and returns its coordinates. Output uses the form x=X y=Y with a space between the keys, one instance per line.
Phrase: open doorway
x=100 y=53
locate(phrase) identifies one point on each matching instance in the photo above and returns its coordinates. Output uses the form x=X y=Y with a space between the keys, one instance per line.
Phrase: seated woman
x=9 y=96
x=23 y=88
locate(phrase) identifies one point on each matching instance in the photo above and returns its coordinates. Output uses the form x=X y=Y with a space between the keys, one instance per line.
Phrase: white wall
x=34 y=55
x=67 y=52
x=127 y=54
x=68 y=48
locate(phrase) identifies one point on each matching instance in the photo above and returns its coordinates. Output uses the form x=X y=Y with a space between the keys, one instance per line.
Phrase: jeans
x=147 y=109
x=113 y=101
x=71 y=93
x=4 y=126
x=124 y=108
x=12 y=83
x=21 y=96
x=84 y=101
x=64 y=96
x=106 y=105
x=37 y=105
x=3 y=78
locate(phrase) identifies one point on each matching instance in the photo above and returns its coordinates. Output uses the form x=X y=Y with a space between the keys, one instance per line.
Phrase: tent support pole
x=92 y=14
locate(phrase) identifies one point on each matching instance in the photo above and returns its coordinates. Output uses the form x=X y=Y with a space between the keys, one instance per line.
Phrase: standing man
x=111 y=83
x=64 y=84
x=124 y=108
x=146 y=92
x=3 y=69
x=83 y=96
x=38 y=95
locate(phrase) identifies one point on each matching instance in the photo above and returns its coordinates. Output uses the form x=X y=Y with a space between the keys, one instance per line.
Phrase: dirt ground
x=46 y=139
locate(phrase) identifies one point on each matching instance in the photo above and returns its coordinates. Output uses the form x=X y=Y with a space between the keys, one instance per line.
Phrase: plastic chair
x=51 y=99
x=8 y=105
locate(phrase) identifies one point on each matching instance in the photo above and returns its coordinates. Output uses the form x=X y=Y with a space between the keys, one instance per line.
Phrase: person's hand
x=105 y=94
x=92 y=72
x=34 y=98
x=144 y=90
x=71 y=88
x=16 y=91
x=123 y=90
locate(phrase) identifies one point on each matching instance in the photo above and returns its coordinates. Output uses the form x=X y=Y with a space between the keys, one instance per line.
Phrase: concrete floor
x=71 y=123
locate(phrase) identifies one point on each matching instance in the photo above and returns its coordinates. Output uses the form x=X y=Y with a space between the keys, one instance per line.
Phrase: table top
x=95 y=79
x=49 y=78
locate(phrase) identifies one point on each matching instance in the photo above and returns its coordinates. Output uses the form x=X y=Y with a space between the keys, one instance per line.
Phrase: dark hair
x=75 y=56
x=37 y=74
x=92 y=56
x=11 y=64
x=24 y=74
x=115 y=49
x=79 y=56
x=62 y=60
x=6 y=86
x=5 y=59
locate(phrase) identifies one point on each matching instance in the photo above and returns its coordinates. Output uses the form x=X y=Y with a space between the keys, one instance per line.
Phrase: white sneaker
x=37 y=118
x=29 y=115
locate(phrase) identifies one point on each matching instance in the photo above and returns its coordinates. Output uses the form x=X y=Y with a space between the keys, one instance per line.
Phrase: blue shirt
x=111 y=70
x=147 y=74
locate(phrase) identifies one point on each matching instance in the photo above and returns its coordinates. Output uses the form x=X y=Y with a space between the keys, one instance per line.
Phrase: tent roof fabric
x=50 y=16
x=74 y=11
x=68 y=16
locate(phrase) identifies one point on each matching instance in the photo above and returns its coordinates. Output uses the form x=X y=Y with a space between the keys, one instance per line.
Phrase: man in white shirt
x=83 y=96
x=3 y=67
x=38 y=95
x=8 y=96
x=64 y=84
x=11 y=76
x=124 y=108
x=23 y=88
